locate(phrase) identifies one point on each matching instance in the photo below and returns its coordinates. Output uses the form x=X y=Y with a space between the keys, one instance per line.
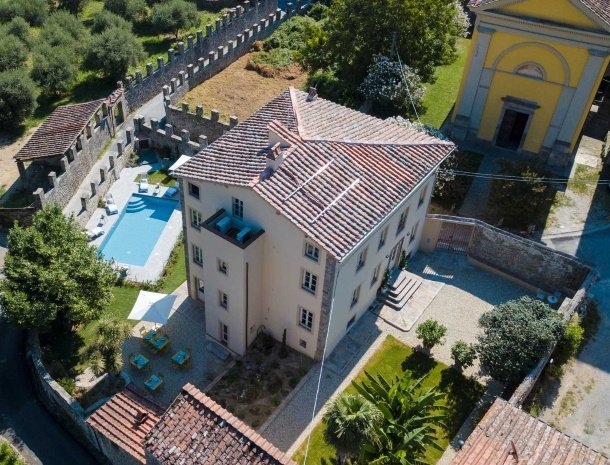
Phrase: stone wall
x=196 y=123
x=23 y=216
x=532 y=263
x=200 y=50
x=165 y=139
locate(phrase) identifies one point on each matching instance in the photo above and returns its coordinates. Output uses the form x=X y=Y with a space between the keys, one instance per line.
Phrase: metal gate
x=454 y=237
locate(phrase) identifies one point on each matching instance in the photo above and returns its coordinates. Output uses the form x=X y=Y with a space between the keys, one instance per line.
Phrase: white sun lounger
x=111 y=208
x=172 y=191
x=143 y=184
x=94 y=233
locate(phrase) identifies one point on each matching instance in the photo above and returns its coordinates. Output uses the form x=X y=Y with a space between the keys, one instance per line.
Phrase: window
x=200 y=285
x=362 y=258
x=194 y=190
x=383 y=237
x=306 y=319
x=223 y=300
x=376 y=274
x=196 y=219
x=413 y=232
x=310 y=282
x=224 y=333
x=303 y=344
x=355 y=296
x=312 y=252
x=422 y=196
x=351 y=321
x=222 y=266
x=532 y=70
x=402 y=220
x=197 y=255
x=238 y=208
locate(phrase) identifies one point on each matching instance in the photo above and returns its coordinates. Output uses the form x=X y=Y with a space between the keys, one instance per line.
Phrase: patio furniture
x=139 y=362
x=153 y=382
x=111 y=208
x=182 y=358
x=94 y=233
x=160 y=343
x=171 y=191
x=143 y=187
x=157 y=189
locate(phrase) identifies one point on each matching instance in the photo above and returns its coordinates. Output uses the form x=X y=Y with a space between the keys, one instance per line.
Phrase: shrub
x=68 y=384
x=64 y=29
x=13 y=53
x=132 y=10
x=112 y=53
x=571 y=341
x=54 y=69
x=173 y=16
x=33 y=11
x=17 y=97
x=329 y=86
x=318 y=11
x=105 y=19
x=516 y=335
x=8 y=455
x=18 y=27
x=463 y=354
x=431 y=333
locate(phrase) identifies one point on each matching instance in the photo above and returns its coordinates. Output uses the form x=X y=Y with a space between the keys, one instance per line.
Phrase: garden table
x=139 y=362
x=153 y=382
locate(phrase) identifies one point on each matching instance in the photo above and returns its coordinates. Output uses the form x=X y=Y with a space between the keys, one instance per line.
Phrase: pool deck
x=121 y=191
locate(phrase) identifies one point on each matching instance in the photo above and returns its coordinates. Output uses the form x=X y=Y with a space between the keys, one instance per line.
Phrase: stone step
x=403 y=281
x=397 y=303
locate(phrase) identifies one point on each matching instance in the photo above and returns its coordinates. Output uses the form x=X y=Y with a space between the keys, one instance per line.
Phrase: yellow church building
x=532 y=74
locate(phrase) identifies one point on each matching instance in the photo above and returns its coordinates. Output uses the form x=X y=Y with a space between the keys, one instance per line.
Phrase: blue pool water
x=133 y=237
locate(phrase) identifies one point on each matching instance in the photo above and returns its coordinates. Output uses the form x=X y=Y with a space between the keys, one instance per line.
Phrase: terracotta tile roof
x=196 y=430
x=126 y=419
x=509 y=436
x=60 y=130
x=600 y=8
x=344 y=173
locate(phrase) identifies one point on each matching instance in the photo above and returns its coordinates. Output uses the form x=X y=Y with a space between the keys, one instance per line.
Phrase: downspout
x=247 y=303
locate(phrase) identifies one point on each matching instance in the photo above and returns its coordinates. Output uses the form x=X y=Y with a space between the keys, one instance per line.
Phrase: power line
x=506 y=177
x=404 y=78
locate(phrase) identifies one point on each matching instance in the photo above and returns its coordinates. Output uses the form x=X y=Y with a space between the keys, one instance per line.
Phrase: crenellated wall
x=196 y=123
x=165 y=139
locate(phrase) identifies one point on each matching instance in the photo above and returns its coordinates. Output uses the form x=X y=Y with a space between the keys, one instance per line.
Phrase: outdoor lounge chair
x=111 y=208
x=94 y=233
x=172 y=191
x=143 y=183
x=157 y=189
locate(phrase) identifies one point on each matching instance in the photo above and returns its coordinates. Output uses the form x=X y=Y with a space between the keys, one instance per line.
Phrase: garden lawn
x=158 y=177
x=392 y=359
x=440 y=96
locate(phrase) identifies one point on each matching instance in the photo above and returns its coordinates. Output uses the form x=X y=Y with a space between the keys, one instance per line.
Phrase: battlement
x=197 y=123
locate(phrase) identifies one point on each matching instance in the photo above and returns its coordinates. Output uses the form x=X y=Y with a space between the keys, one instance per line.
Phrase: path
x=23 y=419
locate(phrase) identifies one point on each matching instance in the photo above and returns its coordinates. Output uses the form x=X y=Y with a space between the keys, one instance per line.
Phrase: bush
x=515 y=336
x=571 y=342
x=33 y=11
x=463 y=354
x=173 y=16
x=330 y=87
x=54 y=69
x=17 y=97
x=65 y=30
x=112 y=53
x=318 y=11
x=68 y=384
x=8 y=456
x=132 y=10
x=431 y=333
x=18 y=27
x=105 y=19
x=13 y=53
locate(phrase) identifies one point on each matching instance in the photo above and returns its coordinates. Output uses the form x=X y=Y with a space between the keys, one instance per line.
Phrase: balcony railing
x=232 y=229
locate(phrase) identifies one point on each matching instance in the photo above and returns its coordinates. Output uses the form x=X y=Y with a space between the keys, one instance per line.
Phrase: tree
x=113 y=51
x=105 y=353
x=431 y=332
x=17 y=97
x=351 y=421
x=73 y=6
x=132 y=10
x=463 y=354
x=174 y=15
x=54 y=69
x=411 y=415
x=13 y=53
x=516 y=334
x=426 y=33
x=18 y=27
x=105 y=19
x=390 y=87
x=33 y=11
x=65 y=30
x=52 y=274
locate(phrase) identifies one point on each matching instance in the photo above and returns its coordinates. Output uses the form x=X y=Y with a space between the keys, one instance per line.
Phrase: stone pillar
x=230 y=48
x=129 y=135
x=65 y=164
x=111 y=161
x=208 y=30
x=263 y=24
x=39 y=197
x=165 y=89
x=199 y=111
x=154 y=124
x=170 y=55
x=149 y=69
x=102 y=175
x=211 y=56
x=299 y=5
x=105 y=109
x=185 y=135
x=139 y=76
x=71 y=156
x=271 y=18
x=83 y=202
x=190 y=40
x=221 y=51
x=138 y=122
x=173 y=84
x=160 y=63
x=254 y=29
x=129 y=83
x=52 y=177
x=200 y=64
x=215 y=115
x=22 y=174
x=240 y=39
x=233 y=121
x=89 y=129
x=203 y=141
x=225 y=20
x=199 y=37
x=190 y=71
x=169 y=130
x=247 y=34
x=278 y=14
x=289 y=8
x=181 y=48
x=218 y=25
x=98 y=118
x=93 y=188
x=120 y=147
x=184 y=107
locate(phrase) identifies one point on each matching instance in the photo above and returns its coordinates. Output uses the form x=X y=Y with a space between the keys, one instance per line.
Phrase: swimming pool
x=133 y=237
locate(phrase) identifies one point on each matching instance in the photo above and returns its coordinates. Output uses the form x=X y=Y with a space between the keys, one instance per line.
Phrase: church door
x=512 y=129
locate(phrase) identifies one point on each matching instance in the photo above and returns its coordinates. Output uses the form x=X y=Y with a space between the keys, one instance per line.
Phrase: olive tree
x=112 y=53
x=17 y=97
x=173 y=16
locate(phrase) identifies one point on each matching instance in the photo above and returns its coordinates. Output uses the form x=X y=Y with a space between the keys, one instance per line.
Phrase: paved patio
x=466 y=294
x=186 y=329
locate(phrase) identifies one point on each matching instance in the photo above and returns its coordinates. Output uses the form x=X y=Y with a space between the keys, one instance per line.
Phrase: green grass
x=158 y=177
x=440 y=96
x=8 y=456
x=584 y=180
x=391 y=359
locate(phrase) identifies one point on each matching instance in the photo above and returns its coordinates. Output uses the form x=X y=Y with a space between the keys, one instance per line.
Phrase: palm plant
x=351 y=421
x=105 y=352
x=411 y=415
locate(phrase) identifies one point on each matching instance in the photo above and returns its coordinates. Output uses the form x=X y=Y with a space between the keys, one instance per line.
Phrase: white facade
x=259 y=285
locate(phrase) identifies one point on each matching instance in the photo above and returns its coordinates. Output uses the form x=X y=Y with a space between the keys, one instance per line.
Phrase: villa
x=292 y=217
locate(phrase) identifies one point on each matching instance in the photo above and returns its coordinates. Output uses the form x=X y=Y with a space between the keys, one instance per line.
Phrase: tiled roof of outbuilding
x=126 y=419
x=509 y=436
x=601 y=8
x=345 y=172
x=60 y=130
x=196 y=430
